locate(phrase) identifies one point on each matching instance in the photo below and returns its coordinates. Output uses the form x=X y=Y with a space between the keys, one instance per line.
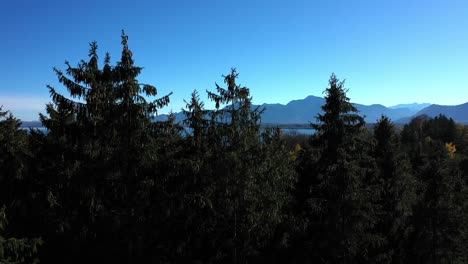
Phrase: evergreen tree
x=335 y=191
x=251 y=174
x=227 y=184
x=439 y=219
x=14 y=154
x=99 y=143
x=397 y=187
x=196 y=120
x=339 y=124
x=441 y=128
x=17 y=175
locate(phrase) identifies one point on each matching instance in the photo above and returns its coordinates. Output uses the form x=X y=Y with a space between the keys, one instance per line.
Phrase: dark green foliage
x=340 y=122
x=16 y=175
x=336 y=191
x=238 y=181
x=441 y=128
x=438 y=222
x=98 y=149
x=397 y=188
x=252 y=171
x=15 y=250
x=14 y=152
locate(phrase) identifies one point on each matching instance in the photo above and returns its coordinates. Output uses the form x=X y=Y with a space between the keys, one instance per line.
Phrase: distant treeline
x=105 y=184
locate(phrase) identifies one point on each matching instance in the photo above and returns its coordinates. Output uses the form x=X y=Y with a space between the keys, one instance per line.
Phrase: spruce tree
x=251 y=173
x=14 y=156
x=334 y=193
x=397 y=189
x=99 y=140
x=17 y=177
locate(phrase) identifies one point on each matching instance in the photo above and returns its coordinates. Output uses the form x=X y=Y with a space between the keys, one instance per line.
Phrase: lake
x=287 y=131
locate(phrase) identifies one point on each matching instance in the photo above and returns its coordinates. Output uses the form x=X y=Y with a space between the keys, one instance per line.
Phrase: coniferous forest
x=105 y=183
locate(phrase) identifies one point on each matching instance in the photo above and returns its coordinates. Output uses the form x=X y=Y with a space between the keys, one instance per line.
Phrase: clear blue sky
x=389 y=52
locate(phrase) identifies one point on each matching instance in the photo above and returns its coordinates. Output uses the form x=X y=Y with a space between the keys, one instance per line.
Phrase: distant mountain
x=305 y=111
x=372 y=113
x=458 y=113
x=179 y=117
x=31 y=124
x=295 y=112
x=413 y=107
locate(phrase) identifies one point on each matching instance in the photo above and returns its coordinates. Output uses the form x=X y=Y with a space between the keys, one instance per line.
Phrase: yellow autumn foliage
x=451 y=149
x=295 y=153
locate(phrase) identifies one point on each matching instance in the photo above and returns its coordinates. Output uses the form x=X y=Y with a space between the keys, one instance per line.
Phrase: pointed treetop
x=93 y=46
x=230 y=79
x=333 y=78
x=93 y=61
x=126 y=53
x=107 y=59
x=124 y=38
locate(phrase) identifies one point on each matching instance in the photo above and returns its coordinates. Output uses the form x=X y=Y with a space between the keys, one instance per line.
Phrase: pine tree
x=334 y=193
x=14 y=155
x=17 y=177
x=339 y=124
x=251 y=174
x=196 y=120
x=99 y=142
x=397 y=187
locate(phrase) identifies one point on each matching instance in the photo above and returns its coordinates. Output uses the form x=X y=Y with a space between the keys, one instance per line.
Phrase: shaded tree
x=14 y=153
x=437 y=224
x=99 y=143
x=335 y=190
x=251 y=174
x=397 y=187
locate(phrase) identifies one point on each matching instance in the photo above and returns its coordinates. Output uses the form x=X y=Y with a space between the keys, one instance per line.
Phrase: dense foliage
x=107 y=184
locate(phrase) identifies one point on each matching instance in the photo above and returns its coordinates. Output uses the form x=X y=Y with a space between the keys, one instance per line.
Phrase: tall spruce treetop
x=384 y=135
x=397 y=194
x=13 y=149
x=237 y=117
x=339 y=120
x=106 y=108
x=101 y=137
x=332 y=191
x=247 y=168
x=196 y=118
x=103 y=94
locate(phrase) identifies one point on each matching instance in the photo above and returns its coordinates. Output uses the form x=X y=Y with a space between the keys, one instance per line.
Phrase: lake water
x=298 y=131
x=42 y=129
x=287 y=131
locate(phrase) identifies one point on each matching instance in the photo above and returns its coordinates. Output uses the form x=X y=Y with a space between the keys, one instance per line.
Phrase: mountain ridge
x=305 y=111
x=414 y=106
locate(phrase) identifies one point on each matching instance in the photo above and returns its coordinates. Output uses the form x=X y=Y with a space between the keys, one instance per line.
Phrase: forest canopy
x=108 y=184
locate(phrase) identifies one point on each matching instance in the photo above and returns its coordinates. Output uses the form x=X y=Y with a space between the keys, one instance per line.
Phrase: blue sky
x=389 y=52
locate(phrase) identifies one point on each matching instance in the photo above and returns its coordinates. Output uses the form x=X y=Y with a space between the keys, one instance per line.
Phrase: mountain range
x=305 y=110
